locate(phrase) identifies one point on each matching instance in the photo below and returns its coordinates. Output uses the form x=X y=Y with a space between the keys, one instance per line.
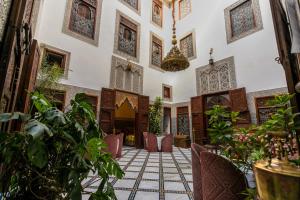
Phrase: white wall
x=90 y=65
x=254 y=55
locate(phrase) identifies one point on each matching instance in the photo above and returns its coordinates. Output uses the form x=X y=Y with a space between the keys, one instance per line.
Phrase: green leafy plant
x=280 y=130
x=54 y=152
x=48 y=78
x=155 y=116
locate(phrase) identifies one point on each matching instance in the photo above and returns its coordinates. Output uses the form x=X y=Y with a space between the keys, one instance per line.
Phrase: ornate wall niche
x=242 y=19
x=4 y=12
x=187 y=45
x=82 y=20
x=126 y=78
x=127 y=37
x=134 y=5
x=217 y=78
x=185 y=8
x=156 y=51
x=57 y=56
x=157 y=13
x=167 y=92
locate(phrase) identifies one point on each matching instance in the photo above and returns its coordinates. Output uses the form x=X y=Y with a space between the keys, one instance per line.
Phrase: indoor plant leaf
x=37 y=153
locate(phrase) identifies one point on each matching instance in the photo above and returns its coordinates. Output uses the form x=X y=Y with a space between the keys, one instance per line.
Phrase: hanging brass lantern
x=175 y=60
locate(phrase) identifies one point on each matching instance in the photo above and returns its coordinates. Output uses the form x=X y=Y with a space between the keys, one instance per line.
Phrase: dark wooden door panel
x=238 y=99
x=198 y=124
x=107 y=110
x=28 y=78
x=142 y=120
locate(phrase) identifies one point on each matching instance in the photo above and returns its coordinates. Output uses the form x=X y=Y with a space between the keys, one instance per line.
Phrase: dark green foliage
x=155 y=116
x=54 y=152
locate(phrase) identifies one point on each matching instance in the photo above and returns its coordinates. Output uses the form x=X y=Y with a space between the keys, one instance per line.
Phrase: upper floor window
x=242 y=19
x=135 y=5
x=188 y=46
x=185 y=8
x=157 y=12
x=82 y=20
x=127 y=36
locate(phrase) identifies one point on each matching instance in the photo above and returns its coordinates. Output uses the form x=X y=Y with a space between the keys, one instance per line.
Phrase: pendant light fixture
x=175 y=60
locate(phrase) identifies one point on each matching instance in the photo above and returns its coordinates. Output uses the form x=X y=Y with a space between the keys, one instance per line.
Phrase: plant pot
x=279 y=181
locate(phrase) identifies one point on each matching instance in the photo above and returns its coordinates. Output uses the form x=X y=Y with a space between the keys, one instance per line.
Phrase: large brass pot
x=280 y=181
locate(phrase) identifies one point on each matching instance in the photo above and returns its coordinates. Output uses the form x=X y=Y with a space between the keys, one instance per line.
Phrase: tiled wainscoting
x=152 y=176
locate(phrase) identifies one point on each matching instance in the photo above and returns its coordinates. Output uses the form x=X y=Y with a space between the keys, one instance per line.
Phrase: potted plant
x=54 y=152
x=278 y=174
x=155 y=116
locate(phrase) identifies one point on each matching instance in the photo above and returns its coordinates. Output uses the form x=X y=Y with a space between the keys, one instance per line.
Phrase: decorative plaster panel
x=4 y=11
x=215 y=78
x=242 y=19
x=123 y=78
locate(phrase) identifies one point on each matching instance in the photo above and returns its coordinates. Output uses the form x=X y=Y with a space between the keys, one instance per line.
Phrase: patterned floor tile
x=150 y=176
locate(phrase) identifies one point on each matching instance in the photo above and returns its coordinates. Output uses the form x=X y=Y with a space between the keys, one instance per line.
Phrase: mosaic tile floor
x=152 y=176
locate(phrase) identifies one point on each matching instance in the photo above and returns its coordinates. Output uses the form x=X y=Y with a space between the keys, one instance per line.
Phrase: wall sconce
x=129 y=66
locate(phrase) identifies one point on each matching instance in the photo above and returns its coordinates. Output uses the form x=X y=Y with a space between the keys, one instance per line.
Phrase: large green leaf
x=5 y=117
x=37 y=153
x=37 y=129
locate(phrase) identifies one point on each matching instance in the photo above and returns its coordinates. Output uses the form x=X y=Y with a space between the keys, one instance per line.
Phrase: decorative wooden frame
x=257 y=17
x=161 y=5
x=119 y=15
x=258 y=107
x=193 y=33
x=180 y=13
x=152 y=36
x=66 y=30
x=66 y=54
x=138 y=10
x=171 y=92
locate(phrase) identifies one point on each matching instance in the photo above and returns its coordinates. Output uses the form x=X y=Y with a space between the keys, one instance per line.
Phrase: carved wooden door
x=142 y=121
x=198 y=123
x=289 y=61
x=15 y=47
x=107 y=110
x=28 y=78
x=239 y=104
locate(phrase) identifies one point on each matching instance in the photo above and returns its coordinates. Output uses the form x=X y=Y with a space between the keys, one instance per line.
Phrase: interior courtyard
x=150 y=99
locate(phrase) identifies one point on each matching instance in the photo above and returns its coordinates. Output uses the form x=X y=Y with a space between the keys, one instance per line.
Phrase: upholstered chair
x=121 y=138
x=113 y=143
x=196 y=170
x=220 y=178
x=167 y=143
x=152 y=142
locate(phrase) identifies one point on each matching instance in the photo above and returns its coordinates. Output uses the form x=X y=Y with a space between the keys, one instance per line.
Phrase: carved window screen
x=83 y=17
x=127 y=37
x=185 y=7
x=187 y=46
x=157 y=12
x=263 y=110
x=183 y=122
x=156 y=51
x=132 y=3
x=242 y=19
